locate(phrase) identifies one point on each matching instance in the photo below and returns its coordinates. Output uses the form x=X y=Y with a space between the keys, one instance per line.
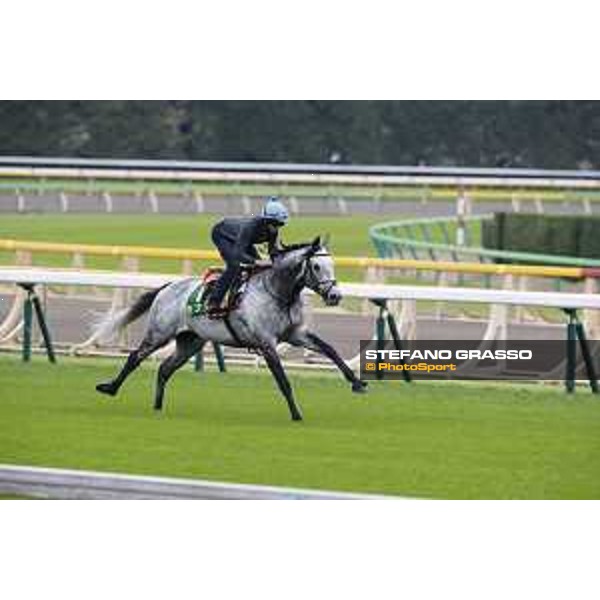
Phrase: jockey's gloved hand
x=248 y=259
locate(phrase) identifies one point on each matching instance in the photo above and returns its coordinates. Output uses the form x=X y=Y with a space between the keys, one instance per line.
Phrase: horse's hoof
x=106 y=388
x=359 y=387
x=296 y=417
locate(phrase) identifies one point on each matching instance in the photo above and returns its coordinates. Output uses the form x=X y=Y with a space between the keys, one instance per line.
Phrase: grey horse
x=271 y=311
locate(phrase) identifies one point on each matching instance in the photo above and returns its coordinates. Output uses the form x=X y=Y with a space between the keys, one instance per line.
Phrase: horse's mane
x=285 y=248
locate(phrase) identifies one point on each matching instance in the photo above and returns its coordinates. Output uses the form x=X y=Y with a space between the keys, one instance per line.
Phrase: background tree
x=551 y=134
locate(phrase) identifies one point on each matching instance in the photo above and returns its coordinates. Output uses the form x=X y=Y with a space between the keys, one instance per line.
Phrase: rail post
x=380 y=336
x=246 y=204
x=199 y=358
x=575 y=331
x=43 y=327
x=587 y=357
x=384 y=318
x=571 y=351
x=199 y=200
x=20 y=201
x=64 y=202
x=219 y=356
x=294 y=206
x=397 y=340
x=108 y=201
x=153 y=201
x=27 y=325
x=31 y=304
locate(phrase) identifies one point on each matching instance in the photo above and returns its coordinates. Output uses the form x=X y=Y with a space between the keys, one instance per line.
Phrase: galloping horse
x=270 y=311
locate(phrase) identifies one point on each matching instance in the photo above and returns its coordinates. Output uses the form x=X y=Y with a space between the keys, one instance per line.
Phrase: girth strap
x=232 y=331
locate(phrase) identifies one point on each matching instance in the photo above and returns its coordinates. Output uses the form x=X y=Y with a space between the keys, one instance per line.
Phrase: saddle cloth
x=196 y=303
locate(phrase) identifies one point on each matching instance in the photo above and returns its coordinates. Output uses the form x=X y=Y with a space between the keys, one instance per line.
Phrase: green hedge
x=576 y=236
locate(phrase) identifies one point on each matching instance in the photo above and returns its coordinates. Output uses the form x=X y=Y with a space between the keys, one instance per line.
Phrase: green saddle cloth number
x=197 y=300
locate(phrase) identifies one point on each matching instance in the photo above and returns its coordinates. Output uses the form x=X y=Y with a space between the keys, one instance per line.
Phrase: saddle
x=198 y=298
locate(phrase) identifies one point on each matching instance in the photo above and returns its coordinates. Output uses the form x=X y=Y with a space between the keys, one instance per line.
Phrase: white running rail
x=93 y=485
x=77 y=277
x=498 y=299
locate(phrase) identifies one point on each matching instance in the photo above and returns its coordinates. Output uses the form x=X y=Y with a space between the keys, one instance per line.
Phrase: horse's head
x=314 y=268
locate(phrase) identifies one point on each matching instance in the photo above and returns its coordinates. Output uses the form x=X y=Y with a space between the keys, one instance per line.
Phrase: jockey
x=235 y=239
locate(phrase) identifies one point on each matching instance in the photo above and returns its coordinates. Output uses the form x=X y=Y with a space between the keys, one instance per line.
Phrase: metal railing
x=328 y=173
x=432 y=239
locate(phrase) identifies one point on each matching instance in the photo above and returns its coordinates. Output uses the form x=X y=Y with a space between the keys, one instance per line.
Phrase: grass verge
x=348 y=236
x=438 y=440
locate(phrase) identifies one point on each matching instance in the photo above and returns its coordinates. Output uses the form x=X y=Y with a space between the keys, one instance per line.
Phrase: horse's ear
x=325 y=241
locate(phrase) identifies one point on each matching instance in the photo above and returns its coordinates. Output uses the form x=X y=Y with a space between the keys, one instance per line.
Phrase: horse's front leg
x=311 y=341
x=274 y=363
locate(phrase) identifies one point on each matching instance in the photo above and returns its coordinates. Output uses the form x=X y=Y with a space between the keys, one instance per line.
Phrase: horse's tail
x=107 y=329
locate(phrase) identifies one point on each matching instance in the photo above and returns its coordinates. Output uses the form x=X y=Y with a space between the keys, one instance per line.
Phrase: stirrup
x=216 y=312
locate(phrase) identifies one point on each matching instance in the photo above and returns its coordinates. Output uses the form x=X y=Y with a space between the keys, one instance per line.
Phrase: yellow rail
x=461 y=267
x=340 y=261
x=118 y=251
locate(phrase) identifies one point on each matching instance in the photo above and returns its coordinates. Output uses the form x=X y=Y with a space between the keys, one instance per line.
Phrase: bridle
x=322 y=287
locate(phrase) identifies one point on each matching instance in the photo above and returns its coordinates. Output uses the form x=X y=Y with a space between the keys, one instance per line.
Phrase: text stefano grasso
x=459 y=354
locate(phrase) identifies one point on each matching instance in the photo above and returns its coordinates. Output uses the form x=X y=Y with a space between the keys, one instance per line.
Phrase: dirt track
x=70 y=322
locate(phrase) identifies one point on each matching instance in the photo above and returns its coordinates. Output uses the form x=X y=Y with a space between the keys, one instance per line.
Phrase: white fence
x=71 y=484
x=329 y=174
x=404 y=295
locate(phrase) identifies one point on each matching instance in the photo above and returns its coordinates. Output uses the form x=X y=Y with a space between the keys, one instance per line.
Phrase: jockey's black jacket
x=239 y=234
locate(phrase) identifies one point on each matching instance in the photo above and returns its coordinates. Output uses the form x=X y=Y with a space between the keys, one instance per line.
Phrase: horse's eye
x=317 y=268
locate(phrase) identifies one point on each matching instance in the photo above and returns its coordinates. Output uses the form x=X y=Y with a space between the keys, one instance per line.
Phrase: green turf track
x=349 y=235
x=15 y=497
x=445 y=440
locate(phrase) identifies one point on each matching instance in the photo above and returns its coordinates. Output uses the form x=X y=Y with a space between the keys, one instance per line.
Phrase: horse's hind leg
x=135 y=358
x=187 y=344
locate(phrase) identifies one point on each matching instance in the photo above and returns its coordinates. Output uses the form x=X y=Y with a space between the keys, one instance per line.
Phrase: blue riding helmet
x=274 y=209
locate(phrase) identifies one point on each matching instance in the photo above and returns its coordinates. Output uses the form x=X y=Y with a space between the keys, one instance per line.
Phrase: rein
x=320 y=285
x=301 y=282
